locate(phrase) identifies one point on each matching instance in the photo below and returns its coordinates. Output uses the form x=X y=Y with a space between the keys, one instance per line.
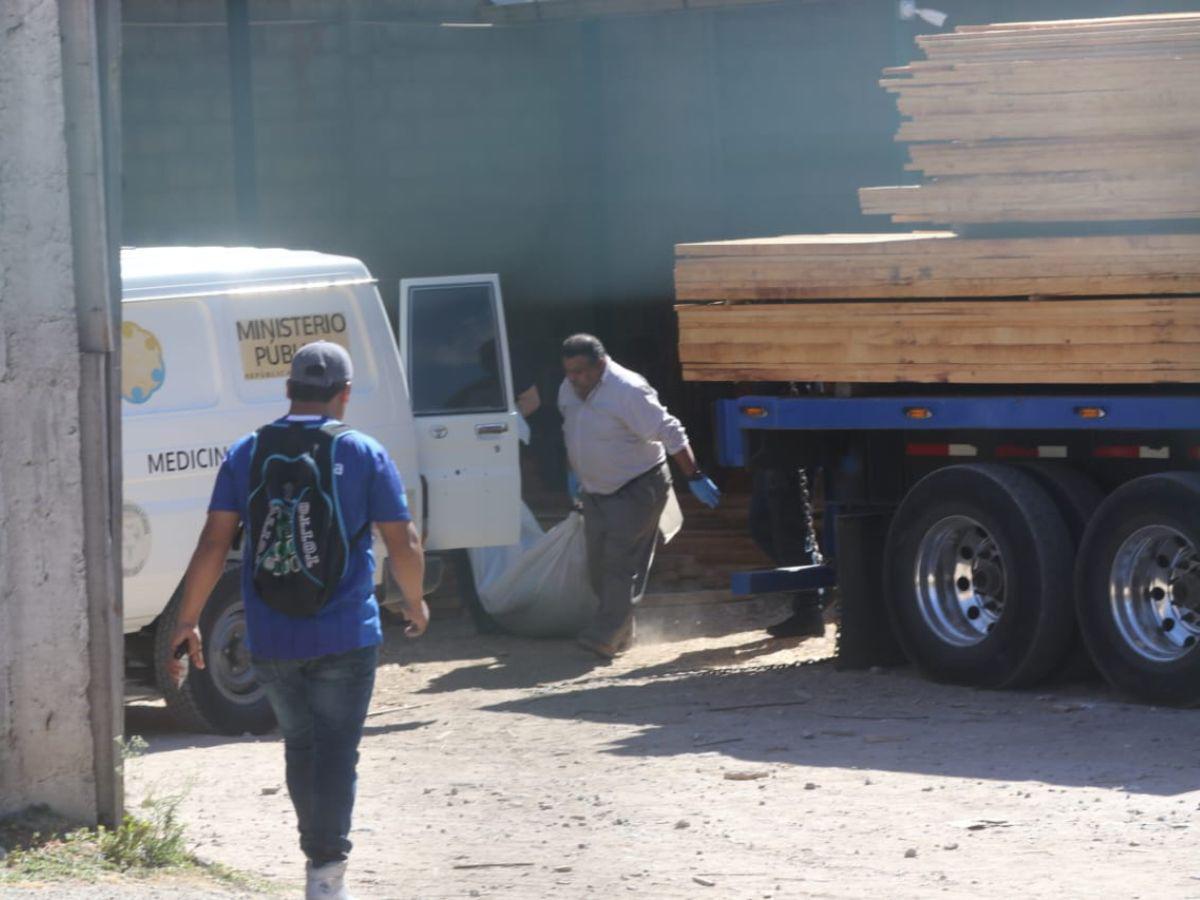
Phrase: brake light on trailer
x=1129 y=451
x=1042 y=451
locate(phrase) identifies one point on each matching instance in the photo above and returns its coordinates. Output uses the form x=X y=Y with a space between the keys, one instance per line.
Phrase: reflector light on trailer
x=918 y=412
x=1126 y=451
x=942 y=450
x=1091 y=412
x=1042 y=451
x=1013 y=451
x=754 y=412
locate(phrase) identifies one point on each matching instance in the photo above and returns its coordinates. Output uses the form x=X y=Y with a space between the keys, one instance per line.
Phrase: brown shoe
x=600 y=648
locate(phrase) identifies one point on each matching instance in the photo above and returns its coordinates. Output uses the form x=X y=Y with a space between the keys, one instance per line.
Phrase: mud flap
x=864 y=637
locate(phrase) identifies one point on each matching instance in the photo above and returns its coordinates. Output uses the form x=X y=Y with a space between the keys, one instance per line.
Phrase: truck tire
x=977 y=577
x=1138 y=588
x=224 y=697
x=1077 y=497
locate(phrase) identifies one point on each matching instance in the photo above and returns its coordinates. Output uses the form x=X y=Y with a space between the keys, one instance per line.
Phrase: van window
x=168 y=357
x=454 y=359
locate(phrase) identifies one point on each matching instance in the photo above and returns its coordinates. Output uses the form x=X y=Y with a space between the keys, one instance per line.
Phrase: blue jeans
x=321 y=704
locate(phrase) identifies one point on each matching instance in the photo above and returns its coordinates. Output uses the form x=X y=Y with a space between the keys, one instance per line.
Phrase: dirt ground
x=711 y=762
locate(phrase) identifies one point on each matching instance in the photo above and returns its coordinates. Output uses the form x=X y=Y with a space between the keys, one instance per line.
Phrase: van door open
x=455 y=351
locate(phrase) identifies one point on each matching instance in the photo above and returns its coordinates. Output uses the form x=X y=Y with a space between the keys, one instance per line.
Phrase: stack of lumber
x=1069 y=122
x=1120 y=340
x=933 y=307
x=1078 y=120
x=935 y=264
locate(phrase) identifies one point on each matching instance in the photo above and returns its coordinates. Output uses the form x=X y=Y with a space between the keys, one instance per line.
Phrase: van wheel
x=225 y=697
x=978 y=577
x=1138 y=588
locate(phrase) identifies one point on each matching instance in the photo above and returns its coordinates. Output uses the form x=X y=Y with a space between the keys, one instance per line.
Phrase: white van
x=206 y=339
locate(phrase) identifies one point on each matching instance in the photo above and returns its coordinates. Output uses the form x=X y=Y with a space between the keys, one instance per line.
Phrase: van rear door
x=455 y=350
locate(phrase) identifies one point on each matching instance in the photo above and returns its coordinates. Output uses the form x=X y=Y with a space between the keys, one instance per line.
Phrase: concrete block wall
x=177 y=156
x=46 y=747
x=568 y=156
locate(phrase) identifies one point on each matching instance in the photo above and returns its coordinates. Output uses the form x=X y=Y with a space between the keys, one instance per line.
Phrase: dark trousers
x=622 y=532
x=321 y=705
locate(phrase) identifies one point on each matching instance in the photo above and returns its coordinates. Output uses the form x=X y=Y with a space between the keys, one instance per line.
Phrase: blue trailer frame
x=1007 y=413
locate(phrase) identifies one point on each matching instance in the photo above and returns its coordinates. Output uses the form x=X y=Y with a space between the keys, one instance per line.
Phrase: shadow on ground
x=508 y=662
x=813 y=715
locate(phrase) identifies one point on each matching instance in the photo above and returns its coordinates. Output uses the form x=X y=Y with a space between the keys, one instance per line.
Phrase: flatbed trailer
x=988 y=537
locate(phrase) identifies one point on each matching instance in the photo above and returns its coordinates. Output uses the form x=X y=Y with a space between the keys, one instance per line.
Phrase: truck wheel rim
x=960 y=581
x=229 y=658
x=1154 y=591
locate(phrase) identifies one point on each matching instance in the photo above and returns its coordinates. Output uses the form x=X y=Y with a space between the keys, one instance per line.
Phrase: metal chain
x=811 y=547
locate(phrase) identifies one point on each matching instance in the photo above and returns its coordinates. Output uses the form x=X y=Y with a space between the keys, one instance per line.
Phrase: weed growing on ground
x=38 y=846
x=132 y=747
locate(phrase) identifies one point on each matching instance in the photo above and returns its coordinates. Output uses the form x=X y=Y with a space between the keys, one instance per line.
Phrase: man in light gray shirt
x=618 y=437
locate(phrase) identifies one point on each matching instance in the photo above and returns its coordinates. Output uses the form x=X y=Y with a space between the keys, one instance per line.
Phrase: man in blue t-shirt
x=318 y=670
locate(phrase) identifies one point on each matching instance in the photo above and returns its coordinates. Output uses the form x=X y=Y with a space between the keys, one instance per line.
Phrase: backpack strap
x=335 y=430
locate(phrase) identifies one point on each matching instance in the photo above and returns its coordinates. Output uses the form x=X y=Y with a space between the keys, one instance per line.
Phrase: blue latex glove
x=705 y=491
x=574 y=489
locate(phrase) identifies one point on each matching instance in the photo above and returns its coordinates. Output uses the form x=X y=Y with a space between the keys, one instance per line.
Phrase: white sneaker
x=326 y=882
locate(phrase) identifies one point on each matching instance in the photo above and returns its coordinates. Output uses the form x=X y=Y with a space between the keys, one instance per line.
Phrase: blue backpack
x=296 y=539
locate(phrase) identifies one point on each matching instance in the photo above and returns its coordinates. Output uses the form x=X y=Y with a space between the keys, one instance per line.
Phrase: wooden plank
x=1059 y=47
x=940 y=244
x=1037 y=156
x=935 y=264
x=1066 y=24
x=1073 y=75
x=759 y=285
x=1062 y=197
x=1132 y=103
x=1144 y=340
x=1183 y=124
x=1090 y=35
x=947 y=374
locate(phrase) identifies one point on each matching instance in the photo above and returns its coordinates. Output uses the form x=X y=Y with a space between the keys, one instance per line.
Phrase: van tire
x=224 y=697
x=977 y=577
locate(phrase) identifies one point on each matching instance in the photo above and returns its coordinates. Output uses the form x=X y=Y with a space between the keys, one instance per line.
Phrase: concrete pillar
x=59 y=648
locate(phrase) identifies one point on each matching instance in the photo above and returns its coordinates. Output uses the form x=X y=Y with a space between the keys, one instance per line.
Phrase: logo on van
x=135 y=539
x=268 y=345
x=142 y=369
